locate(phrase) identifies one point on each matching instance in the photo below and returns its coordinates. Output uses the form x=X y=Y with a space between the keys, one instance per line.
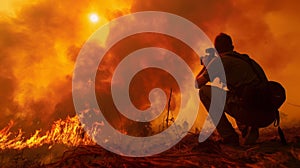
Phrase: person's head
x=223 y=43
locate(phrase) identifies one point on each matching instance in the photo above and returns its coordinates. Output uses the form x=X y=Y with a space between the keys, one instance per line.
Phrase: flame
x=68 y=132
x=40 y=42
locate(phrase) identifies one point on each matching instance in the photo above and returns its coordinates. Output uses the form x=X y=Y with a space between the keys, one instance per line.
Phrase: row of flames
x=68 y=132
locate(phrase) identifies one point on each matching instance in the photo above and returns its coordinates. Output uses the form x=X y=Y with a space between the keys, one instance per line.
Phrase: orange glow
x=40 y=40
x=40 y=44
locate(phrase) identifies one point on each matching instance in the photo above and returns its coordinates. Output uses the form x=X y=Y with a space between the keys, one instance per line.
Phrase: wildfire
x=68 y=132
x=41 y=41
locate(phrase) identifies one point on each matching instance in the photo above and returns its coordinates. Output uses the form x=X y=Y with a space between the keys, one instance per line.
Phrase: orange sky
x=39 y=41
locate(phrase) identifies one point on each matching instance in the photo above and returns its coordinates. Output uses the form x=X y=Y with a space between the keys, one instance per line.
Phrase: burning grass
x=68 y=132
x=66 y=145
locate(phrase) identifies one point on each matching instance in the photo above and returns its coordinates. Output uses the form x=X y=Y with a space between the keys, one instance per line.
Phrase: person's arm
x=201 y=80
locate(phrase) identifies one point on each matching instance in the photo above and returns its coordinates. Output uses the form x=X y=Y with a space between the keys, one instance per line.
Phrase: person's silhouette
x=243 y=78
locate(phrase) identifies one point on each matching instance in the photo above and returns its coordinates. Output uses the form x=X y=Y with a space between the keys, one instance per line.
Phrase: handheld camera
x=204 y=60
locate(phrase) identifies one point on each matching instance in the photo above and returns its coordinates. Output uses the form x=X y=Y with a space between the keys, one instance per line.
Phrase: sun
x=94 y=18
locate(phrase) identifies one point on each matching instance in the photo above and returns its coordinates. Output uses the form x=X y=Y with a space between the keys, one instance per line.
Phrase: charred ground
x=268 y=152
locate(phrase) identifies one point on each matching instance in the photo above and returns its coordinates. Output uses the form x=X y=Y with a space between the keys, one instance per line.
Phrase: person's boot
x=252 y=136
x=227 y=132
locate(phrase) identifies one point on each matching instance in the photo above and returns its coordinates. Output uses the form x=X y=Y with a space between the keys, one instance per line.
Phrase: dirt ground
x=268 y=152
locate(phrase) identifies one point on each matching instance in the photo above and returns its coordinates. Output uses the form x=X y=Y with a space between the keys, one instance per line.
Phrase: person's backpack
x=271 y=95
x=277 y=92
x=278 y=97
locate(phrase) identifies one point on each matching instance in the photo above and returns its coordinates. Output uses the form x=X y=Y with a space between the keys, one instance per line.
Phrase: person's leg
x=243 y=115
x=243 y=128
x=223 y=126
x=252 y=136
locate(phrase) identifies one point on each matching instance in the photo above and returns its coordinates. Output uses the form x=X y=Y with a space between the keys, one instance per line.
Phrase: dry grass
x=268 y=152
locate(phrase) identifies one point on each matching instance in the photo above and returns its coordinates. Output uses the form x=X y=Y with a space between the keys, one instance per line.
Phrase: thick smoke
x=266 y=30
x=253 y=26
x=40 y=42
x=38 y=47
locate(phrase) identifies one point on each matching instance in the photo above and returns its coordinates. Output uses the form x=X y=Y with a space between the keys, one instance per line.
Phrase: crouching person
x=246 y=99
